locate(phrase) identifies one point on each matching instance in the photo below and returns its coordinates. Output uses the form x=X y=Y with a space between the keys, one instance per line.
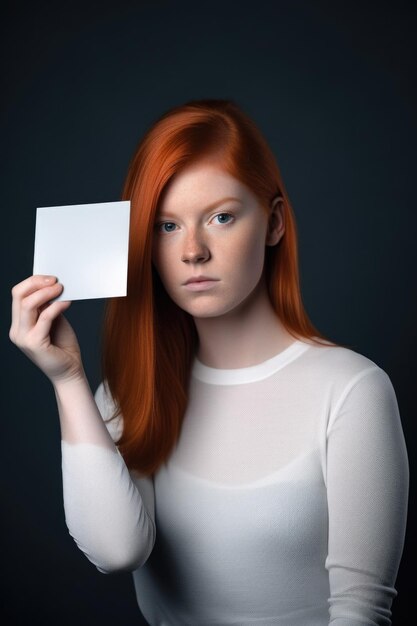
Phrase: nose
x=195 y=250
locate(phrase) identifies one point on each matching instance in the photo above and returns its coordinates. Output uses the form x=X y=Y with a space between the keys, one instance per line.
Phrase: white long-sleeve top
x=284 y=502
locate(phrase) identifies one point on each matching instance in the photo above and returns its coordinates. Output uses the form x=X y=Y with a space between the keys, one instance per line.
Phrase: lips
x=200 y=283
x=199 y=279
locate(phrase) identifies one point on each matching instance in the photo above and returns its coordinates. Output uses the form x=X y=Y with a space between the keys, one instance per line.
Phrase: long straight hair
x=148 y=342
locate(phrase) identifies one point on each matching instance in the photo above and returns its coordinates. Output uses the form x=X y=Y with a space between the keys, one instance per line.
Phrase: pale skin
x=58 y=357
x=236 y=324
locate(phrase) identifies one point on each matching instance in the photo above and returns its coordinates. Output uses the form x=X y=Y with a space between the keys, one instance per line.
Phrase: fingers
x=54 y=350
x=28 y=296
x=29 y=305
x=31 y=284
x=28 y=286
x=25 y=288
x=43 y=326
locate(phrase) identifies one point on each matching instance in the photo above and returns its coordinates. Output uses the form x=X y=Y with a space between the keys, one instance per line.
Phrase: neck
x=250 y=334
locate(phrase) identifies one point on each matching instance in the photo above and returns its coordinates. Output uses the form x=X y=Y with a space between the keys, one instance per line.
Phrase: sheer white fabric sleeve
x=109 y=511
x=367 y=486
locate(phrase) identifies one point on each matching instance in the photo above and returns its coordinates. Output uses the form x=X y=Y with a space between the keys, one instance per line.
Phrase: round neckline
x=252 y=373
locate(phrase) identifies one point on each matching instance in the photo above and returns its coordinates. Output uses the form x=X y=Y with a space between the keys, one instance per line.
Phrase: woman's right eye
x=159 y=227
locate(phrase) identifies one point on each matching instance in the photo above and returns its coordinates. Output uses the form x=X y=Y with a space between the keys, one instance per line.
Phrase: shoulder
x=338 y=365
x=107 y=408
x=343 y=373
x=354 y=385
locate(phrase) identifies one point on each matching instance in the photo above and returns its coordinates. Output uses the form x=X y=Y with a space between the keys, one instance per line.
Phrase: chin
x=208 y=310
x=203 y=312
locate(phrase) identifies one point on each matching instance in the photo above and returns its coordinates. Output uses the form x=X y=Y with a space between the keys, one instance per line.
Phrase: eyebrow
x=211 y=206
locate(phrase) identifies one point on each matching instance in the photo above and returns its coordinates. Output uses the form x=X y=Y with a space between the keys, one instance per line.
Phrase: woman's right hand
x=41 y=332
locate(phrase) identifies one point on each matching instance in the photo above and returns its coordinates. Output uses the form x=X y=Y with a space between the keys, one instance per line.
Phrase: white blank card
x=85 y=246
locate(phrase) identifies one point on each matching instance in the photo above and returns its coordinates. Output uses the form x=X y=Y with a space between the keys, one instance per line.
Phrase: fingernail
x=49 y=279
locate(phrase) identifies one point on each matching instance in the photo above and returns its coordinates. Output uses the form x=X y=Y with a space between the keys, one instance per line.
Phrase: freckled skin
x=194 y=240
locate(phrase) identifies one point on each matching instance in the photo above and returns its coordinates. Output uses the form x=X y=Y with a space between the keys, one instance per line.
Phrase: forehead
x=200 y=184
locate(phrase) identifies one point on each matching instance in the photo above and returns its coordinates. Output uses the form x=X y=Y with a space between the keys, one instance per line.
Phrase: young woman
x=243 y=467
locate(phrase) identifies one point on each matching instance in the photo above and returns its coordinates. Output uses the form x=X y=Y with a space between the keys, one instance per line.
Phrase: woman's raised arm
x=106 y=514
x=108 y=511
x=40 y=330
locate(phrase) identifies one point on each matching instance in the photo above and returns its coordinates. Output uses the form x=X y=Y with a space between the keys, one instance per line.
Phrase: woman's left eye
x=221 y=215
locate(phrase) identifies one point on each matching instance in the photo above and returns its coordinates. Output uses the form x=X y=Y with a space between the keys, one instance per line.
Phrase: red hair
x=148 y=342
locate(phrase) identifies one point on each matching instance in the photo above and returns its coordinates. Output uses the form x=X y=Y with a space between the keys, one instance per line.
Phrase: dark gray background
x=331 y=85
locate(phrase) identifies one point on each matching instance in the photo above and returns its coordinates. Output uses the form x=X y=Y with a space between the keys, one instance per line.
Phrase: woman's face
x=210 y=224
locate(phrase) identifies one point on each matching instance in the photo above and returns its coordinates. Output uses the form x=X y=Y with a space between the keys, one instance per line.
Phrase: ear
x=276 y=226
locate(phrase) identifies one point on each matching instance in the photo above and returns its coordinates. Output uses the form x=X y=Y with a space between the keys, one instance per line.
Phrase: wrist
x=71 y=380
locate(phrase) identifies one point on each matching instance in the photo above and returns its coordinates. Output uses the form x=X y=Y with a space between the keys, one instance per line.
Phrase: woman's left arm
x=367 y=490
